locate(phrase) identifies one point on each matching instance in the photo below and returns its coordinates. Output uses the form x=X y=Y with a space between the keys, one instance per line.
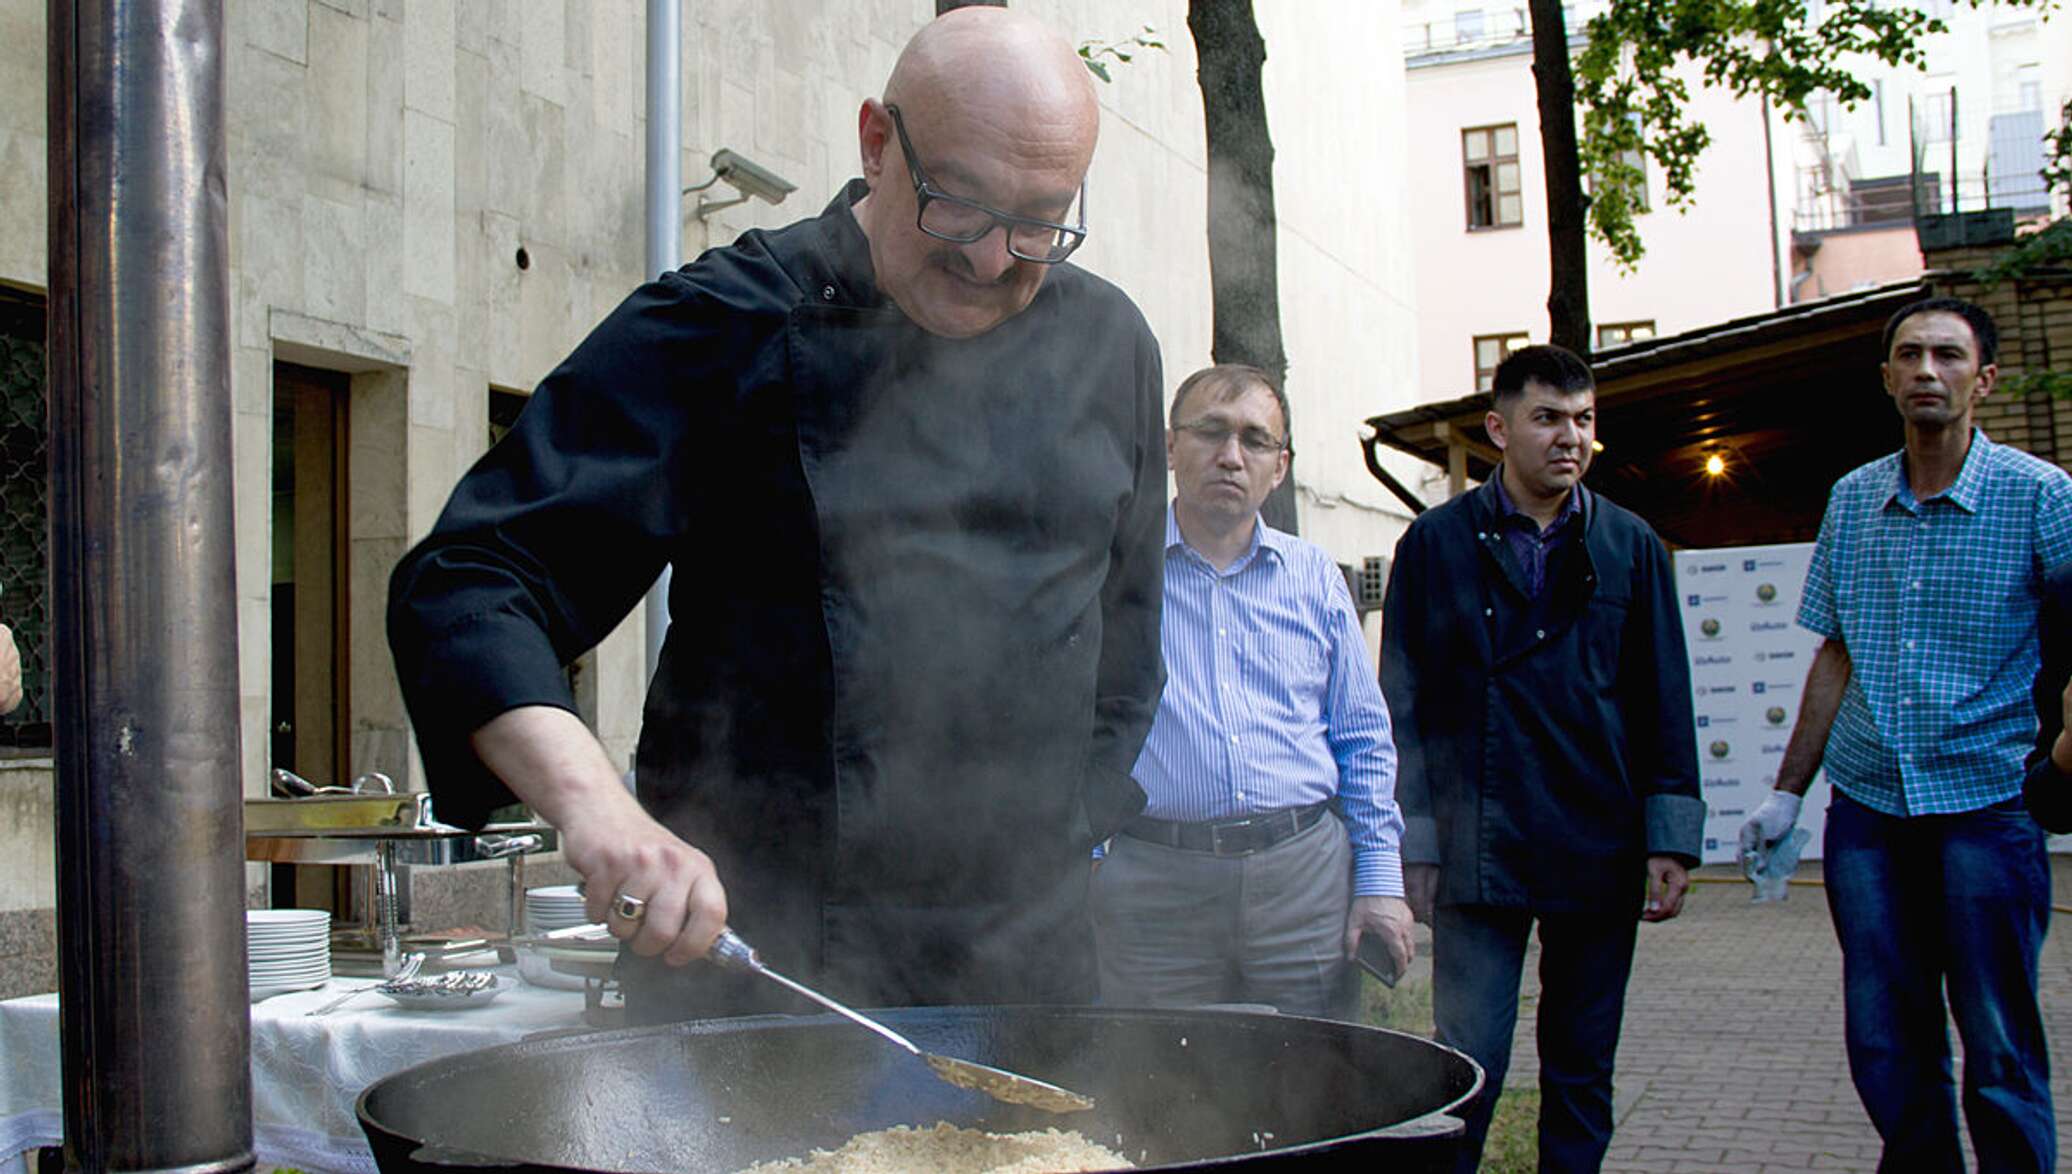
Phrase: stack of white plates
x=287 y=950
x=550 y=908
x=553 y=907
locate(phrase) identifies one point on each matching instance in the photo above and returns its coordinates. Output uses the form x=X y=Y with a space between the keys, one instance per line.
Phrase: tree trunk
x=1244 y=283
x=1568 y=291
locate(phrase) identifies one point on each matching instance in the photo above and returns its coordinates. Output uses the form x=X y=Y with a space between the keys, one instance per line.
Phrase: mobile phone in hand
x=1374 y=957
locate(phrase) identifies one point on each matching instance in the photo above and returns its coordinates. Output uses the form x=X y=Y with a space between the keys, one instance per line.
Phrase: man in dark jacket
x=906 y=466
x=1534 y=661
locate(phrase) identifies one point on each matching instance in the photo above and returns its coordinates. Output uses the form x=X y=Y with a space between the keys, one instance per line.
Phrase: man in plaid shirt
x=1925 y=585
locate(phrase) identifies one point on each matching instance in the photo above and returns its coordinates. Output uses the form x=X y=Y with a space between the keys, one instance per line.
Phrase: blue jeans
x=1478 y=954
x=1933 y=902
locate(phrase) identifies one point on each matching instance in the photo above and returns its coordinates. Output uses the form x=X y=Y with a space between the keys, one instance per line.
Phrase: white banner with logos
x=1748 y=666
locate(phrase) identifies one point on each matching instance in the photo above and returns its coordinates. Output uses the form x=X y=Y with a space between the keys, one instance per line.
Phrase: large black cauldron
x=1179 y=1088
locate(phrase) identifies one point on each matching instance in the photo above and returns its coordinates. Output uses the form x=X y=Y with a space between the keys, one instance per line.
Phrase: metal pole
x=151 y=887
x=1776 y=230
x=664 y=213
x=1956 y=204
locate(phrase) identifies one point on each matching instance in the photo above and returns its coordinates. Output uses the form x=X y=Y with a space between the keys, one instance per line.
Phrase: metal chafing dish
x=384 y=831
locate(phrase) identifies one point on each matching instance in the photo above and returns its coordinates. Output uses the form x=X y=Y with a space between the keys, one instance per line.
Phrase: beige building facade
x=1479 y=206
x=432 y=201
x=1785 y=210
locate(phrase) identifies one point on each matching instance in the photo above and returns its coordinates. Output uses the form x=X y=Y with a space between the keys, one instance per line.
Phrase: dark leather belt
x=1231 y=837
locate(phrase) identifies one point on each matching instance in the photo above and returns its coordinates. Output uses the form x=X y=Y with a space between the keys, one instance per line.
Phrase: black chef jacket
x=914 y=645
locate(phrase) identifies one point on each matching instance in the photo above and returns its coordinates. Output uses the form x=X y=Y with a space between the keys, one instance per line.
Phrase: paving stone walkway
x=1732 y=1059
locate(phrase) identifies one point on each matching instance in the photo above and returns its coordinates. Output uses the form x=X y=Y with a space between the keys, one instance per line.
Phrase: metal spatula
x=731 y=953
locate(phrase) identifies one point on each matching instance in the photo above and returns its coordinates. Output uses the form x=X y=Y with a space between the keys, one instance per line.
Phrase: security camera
x=750 y=178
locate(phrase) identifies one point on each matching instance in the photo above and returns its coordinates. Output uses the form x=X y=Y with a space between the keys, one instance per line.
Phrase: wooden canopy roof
x=1789 y=400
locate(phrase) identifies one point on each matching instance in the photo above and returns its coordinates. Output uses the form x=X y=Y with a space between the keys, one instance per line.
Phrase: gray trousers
x=1176 y=928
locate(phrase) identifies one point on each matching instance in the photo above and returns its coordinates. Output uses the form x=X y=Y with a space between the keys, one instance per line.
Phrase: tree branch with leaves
x=1631 y=84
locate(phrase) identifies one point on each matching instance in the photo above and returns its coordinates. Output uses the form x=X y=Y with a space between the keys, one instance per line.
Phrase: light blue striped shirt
x=1936 y=602
x=1270 y=701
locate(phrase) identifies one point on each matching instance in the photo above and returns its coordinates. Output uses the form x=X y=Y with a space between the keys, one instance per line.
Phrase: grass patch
x=1513 y=1143
x=1513 y=1146
x=1406 y=1007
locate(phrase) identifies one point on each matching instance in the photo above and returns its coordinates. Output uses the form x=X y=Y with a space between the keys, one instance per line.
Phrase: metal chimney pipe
x=155 y=1024
x=664 y=213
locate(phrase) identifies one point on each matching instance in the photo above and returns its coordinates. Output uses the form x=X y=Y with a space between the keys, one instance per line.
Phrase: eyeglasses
x=961 y=221
x=1257 y=441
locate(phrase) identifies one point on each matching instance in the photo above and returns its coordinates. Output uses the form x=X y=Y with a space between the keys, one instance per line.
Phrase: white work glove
x=1771 y=822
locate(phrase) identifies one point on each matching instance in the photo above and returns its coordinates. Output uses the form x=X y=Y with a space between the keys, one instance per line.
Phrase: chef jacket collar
x=839 y=271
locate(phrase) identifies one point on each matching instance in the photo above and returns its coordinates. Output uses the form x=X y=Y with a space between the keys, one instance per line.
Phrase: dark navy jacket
x=2046 y=790
x=914 y=638
x=1545 y=749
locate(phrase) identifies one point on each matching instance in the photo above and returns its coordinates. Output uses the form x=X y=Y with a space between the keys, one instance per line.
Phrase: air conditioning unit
x=1368 y=582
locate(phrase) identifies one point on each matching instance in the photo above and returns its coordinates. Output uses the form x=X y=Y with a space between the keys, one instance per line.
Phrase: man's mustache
x=960 y=265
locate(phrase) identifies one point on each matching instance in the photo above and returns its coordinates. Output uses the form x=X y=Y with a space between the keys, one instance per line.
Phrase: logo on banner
x=1767 y=592
x=1774 y=715
x=1714 y=661
x=1708 y=626
x=1768 y=626
x=1719 y=749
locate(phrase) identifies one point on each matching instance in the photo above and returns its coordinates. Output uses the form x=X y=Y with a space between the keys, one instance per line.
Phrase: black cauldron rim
x=1436 y=1124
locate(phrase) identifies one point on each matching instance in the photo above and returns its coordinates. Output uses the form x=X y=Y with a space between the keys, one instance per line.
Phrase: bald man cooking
x=906 y=464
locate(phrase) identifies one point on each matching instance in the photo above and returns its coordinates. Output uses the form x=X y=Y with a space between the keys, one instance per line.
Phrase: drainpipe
x=664 y=214
x=1776 y=232
x=155 y=1026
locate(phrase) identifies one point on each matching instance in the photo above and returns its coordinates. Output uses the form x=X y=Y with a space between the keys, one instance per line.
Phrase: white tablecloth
x=305 y=1071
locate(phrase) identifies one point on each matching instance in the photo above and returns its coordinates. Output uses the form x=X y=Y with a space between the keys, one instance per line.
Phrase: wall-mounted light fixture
x=751 y=179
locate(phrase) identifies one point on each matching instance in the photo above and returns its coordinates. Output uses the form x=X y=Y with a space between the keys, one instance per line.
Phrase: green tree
x=1630 y=82
x=1631 y=89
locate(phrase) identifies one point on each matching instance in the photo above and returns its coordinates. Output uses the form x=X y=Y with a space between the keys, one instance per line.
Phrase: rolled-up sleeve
x=1663 y=729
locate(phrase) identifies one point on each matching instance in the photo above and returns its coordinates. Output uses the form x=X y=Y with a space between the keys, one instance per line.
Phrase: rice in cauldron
x=947 y=1149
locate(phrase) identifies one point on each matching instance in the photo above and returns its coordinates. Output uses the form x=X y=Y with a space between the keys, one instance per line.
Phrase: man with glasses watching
x=1268 y=847
x=904 y=463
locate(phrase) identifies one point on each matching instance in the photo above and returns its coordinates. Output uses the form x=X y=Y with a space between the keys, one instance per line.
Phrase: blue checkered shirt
x=1936 y=602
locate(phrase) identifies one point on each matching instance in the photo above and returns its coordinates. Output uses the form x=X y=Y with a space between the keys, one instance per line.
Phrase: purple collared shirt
x=1529 y=544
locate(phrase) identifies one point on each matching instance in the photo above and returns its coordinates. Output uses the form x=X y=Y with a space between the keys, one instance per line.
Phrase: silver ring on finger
x=629 y=907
